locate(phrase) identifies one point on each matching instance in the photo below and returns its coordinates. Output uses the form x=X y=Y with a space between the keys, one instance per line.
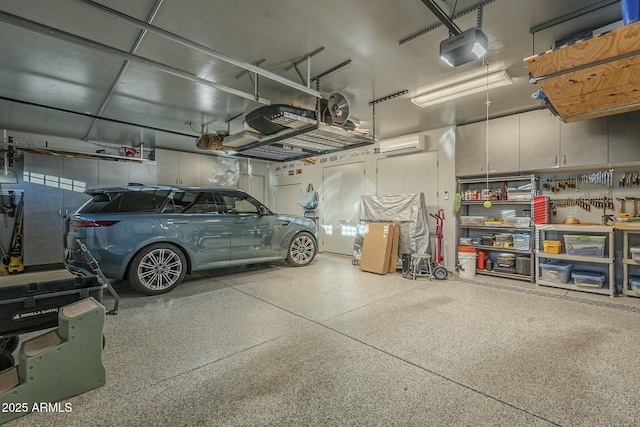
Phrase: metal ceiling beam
x=571 y=15
x=388 y=97
x=90 y=44
x=123 y=68
x=93 y=116
x=331 y=70
x=307 y=58
x=442 y=16
x=463 y=12
x=193 y=45
x=243 y=72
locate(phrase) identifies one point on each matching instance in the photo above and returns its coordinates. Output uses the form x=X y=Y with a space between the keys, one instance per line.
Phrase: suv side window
x=203 y=203
x=136 y=201
x=192 y=202
x=240 y=203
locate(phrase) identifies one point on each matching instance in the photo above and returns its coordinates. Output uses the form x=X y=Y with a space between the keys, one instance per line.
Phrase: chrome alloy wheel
x=302 y=250
x=160 y=269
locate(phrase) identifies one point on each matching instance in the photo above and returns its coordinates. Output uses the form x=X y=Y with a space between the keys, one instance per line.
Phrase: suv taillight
x=90 y=223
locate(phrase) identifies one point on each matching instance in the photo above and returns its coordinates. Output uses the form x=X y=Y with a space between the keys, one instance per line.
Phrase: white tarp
x=409 y=210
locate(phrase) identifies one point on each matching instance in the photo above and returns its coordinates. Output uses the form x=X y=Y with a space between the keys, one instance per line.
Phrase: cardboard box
x=393 y=255
x=376 y=247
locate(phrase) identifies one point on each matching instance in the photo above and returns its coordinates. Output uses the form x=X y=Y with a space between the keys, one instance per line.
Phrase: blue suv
x=155 y=235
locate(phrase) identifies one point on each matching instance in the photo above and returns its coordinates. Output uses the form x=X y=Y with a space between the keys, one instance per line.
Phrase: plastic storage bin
x=635 y=253
x=504 y=240
x=552 y=246
x=630 y=11
x=521 y=241
x=588 y=279
x=555 y=271
x=523 y=266
x=465 y=241
x=634 y=281
x=513 y=194
x=493 y=222
x=517 y=221
x=472 y=220
x=584 y=245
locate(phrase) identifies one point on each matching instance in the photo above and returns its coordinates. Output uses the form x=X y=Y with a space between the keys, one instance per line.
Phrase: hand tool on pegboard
x=621 y=212
x=632 y=200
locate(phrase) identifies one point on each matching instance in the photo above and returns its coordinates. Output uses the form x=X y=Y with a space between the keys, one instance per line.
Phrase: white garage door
x=342 y=187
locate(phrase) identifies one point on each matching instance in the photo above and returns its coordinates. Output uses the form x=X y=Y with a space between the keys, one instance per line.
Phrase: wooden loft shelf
x=595 y=77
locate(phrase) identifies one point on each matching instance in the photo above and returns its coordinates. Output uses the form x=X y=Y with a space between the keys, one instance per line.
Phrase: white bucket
x=467 y=265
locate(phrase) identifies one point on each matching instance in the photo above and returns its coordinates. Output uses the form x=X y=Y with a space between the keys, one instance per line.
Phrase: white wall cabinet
x=504 y=144
x=546 y=142
x=539 y=140
x=504 y=137
x=470 y=149
x=584 y=143
x=624 y=143
x=178 y=168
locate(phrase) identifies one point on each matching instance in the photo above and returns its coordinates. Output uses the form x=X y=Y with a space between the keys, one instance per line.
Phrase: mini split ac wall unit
x=403 y=145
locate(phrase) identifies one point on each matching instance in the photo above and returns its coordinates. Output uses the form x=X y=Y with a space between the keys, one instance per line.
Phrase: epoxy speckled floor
x=330 y=345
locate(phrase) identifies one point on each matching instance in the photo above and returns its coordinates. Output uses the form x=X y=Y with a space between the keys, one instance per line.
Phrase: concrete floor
x=330 y=345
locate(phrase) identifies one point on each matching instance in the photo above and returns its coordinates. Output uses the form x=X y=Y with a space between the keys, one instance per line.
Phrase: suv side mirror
x=262 y=210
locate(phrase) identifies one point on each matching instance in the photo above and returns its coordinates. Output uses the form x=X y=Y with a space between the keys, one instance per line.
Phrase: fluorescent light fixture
x=462 y=89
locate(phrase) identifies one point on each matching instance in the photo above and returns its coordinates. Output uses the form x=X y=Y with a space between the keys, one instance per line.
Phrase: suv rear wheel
x=302 y=250
x=157 y=269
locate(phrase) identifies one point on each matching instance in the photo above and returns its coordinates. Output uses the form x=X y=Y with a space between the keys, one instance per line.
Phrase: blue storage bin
x=630 y=11
x=588 y=279
x=555 y=271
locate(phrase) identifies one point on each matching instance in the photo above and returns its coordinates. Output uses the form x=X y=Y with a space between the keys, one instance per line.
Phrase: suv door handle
x=179 y=221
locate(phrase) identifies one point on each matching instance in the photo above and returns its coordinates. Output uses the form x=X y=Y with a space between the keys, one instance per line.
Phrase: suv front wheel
x=157 y=269
x=302 y=250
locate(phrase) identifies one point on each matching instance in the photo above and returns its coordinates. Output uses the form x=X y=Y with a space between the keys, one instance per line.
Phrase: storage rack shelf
x=627 y=261
x=527 y=185
x=497 y=202
x=606 y=262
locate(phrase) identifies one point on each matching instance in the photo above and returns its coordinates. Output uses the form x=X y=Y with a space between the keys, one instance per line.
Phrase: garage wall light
x=462 y=89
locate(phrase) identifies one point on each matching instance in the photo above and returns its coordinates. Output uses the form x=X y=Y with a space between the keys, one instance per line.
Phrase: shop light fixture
x=462 y=89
